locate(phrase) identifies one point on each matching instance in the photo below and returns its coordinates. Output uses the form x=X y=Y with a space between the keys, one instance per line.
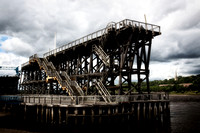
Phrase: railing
x=90 y=100
x=39 y=62
x=72 y=83
x=31 y=58
x=45 y=60
x=52 y=66
x=69 y=89
x=65 y=75
x=103 y=91
x=115 y=26
x=25 y=64
x=49 y=99
x=78 y=88
x=45 y=66
x=57 y=75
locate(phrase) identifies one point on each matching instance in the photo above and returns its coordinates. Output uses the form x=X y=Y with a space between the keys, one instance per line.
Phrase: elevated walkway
x=118 y=26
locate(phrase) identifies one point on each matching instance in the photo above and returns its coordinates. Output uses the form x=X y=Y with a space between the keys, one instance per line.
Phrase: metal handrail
x=25 y=64
x=104 y=88
x=103 y=91
x=77 y=87
x=72 y=83
x=94 y=99
x=45 y=66
x=52 y=66
x=66 y=75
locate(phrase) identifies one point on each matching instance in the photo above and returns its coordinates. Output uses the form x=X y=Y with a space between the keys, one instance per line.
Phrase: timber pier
x=84 y=111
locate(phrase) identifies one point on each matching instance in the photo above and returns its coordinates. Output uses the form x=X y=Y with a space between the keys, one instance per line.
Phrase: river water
x=185 y=114
x=184 y=118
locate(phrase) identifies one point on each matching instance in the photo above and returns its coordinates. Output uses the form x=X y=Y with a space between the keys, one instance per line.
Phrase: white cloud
x=12 y=60
x=16 y=46
x=164 y=70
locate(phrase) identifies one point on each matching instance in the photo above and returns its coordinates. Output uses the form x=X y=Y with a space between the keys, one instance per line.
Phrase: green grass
x=185 y=93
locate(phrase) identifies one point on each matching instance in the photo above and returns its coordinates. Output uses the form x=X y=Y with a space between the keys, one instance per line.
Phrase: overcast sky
x=28 y=27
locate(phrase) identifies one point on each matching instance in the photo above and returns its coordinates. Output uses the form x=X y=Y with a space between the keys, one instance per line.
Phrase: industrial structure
x=89 y=81
x=104 y=62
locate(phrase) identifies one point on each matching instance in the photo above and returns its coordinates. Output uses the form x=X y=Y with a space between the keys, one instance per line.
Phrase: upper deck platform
x=155 y=29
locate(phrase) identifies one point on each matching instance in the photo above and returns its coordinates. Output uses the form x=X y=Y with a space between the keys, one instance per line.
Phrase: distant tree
x=196 y=84
x=154 y=85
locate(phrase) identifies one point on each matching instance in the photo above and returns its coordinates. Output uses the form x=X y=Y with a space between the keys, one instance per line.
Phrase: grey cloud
x=183 y=56
x=189 y=62
x=188 y=47
x=195 y=72
x=189 y=21
x=157 y=57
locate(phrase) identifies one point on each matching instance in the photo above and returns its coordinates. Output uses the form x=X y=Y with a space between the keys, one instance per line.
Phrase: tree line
x=176 y=86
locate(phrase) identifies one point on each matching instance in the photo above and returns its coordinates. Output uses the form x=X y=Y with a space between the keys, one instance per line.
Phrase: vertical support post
x=120 y=72
x=66 y=112
x=52 y=114
x=147 y=65
x=138 y=67
x=59 y=115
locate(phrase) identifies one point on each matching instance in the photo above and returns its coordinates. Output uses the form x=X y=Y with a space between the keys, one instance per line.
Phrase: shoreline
x=184 y=98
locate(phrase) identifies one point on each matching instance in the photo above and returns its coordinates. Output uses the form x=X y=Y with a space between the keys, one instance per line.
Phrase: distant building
x=166 y=85
x=176 y=77
x=185 y=84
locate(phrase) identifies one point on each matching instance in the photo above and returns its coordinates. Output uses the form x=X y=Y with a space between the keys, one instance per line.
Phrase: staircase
x=72 y=87
x=103 y=91
x=102 y=55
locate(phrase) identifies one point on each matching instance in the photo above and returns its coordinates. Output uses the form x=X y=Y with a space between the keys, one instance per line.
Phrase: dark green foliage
x=195 y=84
x=171 y=85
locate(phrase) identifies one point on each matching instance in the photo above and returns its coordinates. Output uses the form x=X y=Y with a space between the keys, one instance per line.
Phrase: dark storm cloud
x=183 y=56
x=197 y=66
x=158 y=58
x=189 y=62
x=187 y=47
x=193 y=72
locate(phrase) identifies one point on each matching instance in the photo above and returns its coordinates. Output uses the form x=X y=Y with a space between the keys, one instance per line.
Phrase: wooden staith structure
x=89 y=112
x=104 y=62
